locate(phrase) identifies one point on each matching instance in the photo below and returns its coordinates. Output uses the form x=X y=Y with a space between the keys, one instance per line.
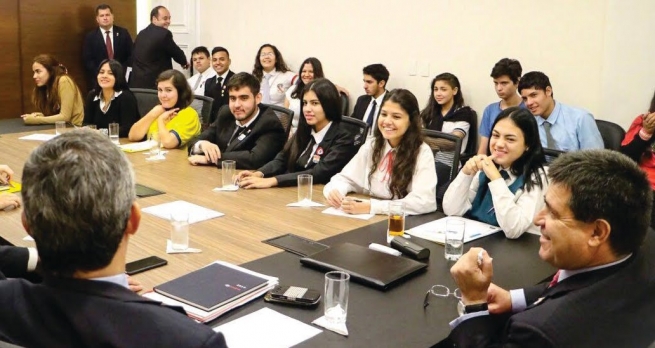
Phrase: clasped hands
x=483 y=163
x=348 y=205
x=648 y=122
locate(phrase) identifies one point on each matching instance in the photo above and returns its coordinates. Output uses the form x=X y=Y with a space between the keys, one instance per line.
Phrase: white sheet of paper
x=339 y=212
x=38 y=137
x=137 y=147
x=436 y=230
x=196 y=212
x=231 y=188
x=266 y=328
x=170 y=250
x=305 y=203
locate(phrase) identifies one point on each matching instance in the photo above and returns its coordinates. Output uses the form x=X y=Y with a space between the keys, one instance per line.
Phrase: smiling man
x=216 y=87
x=594 y=229
x=246 y=131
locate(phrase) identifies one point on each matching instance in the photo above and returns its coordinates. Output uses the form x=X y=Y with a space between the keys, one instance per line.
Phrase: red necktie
x=555 y=279
x=110 y=50
x=386 y=165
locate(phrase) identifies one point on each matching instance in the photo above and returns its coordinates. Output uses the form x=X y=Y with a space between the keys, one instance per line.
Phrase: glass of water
x=337 y=286
x=113 y=133
x=155 y=145
x=180 y=230
x=455 y=230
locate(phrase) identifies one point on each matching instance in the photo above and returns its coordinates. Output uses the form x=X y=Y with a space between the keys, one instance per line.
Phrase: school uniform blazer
x=153 y=50
x=13 y=261
x=262 y=140
x=219 y=93
x=361 y=105
x=94 y=50
x=338 y=148
x=86 y=313
x=609 y=307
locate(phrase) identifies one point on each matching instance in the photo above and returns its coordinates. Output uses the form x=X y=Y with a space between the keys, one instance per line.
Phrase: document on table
x=196 y=212
x=339 y=212
x=436 y=230
x=266 y=328
x=137 y=147
x=38 y=137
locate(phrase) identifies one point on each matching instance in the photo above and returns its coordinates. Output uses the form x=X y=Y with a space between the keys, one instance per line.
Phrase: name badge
x=241 y=137
x=316 y=158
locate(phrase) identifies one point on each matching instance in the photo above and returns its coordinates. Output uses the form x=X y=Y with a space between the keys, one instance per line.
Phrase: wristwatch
x=463 y=309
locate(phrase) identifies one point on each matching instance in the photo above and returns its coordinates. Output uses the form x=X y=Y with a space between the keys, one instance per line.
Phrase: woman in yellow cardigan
x=56 y=96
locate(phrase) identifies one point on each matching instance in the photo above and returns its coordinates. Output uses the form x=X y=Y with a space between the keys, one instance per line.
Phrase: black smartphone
x=142 y=265
x=293 y=295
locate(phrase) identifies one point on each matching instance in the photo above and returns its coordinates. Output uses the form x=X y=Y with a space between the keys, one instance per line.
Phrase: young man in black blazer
x=367 y=107
x=594 y=229
x=96 y=49
x=245 y=131
x=216 y=87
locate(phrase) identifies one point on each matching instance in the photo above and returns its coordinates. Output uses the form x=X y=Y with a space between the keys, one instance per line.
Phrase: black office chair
x=472 y=144
x=146 y=99
x=203 y=106
x=551 y=154
x=345 y=103
x=439 y=141
x=612 y=134
x=285 y=115
x=356 y=127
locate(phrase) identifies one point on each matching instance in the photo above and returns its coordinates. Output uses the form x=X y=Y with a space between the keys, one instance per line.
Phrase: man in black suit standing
x=216 y=87
x=367 y=107
x=153 y=50
x=109 y=41
x=82 y=215
x=594 y=229
x=246 y=131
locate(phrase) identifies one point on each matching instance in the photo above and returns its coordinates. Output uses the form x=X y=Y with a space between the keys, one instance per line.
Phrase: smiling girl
x=506 y=187
x=273 y=73
x=393 y=165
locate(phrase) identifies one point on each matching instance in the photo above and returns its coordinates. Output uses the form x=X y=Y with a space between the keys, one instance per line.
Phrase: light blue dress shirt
x=572 y=129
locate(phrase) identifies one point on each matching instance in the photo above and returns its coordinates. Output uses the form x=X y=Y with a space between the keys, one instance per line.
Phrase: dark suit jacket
x=338 y=148
x=13 y=261
x=153 y=50
x=87 y=313
x=610 y=307
x=360 y=106
x=94 y=50
x=264 y=138
x=220 y=94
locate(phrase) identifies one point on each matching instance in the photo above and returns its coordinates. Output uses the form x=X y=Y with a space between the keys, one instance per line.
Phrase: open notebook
x=435 y=231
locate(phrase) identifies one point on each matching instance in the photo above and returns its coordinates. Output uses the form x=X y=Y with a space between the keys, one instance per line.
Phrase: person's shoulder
x=491 y=108
x=188 y=111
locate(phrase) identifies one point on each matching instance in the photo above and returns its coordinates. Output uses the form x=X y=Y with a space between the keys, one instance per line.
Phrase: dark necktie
x=237 y=132
x=371 y=117
x=110 y=50
x=550 y=141
x=555 y=280
x=504 y=174
x=219 y=80
x=304 y=157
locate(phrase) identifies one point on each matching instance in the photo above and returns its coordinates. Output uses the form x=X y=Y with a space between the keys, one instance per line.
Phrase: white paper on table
x=230 y=188
x=435 y=231
x=305 y=203
x=137 y=147
x=170 y=250
x=28 y=238
x=339 y=212
x=340 y=328
x=38 y=137
x=266 y=328
x=196 y=212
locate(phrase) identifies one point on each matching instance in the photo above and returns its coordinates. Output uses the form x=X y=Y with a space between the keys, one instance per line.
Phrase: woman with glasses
x=273 y=74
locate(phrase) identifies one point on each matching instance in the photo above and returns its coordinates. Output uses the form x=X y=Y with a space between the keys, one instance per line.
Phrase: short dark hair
x=606 y=184
x=507 y=67
x=534 y=79
x=378 y=71
x=243 y=79
x=155 y=12
x=78 y=191
x=220 y=49
x=103 y=7
x=184 y=92
x=201 y=49
x=117 y=70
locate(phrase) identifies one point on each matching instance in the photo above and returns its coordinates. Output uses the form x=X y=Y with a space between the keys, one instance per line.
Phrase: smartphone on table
x=143 y=265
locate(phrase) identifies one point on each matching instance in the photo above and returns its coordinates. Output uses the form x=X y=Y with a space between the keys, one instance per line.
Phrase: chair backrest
x=356 y=127
x=345 y=103
x=612 y=134
x=551 y=154
x=285 y=115
x=146 y=99
x=203 y=106
x=445 y=172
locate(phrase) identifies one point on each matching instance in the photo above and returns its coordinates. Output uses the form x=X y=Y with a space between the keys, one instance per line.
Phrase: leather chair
x=612 y=134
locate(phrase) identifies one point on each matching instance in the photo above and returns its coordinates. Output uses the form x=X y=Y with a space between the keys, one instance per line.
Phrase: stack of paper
x=137 y=147
x=436 y=230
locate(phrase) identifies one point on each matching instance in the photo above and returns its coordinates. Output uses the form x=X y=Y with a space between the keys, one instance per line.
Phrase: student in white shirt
x=273 y=74
x=481 y=192
x=201 y=61
x=394 y=165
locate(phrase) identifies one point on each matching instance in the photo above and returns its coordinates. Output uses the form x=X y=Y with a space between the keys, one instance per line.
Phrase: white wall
x=581 y=45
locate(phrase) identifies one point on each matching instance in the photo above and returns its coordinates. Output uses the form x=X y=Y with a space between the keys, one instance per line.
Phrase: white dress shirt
x=378 y=104
x=102 y=101
x=318 y=137
x=514 y=212
x=421 y=198
x=279 y=83
x=209 y=73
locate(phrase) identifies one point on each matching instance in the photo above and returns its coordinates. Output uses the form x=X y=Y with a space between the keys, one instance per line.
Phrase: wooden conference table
x=385 y=319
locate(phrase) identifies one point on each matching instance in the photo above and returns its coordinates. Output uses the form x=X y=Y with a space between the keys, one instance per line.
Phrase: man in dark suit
x=17 y=262
x=109 y=41
x=82 y=215
x=367 y=107
x=594 y=229
x=246 y=131
x=153 y=50
x=216 y=87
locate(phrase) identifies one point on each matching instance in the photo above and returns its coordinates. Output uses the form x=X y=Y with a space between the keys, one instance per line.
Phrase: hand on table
x=351 y=205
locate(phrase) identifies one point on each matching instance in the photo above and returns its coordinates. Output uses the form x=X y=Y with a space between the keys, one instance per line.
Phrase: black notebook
x=296 y=244
x=365 y=266
x=211 y=287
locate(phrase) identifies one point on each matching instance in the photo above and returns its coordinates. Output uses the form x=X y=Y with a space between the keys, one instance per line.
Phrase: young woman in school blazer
x=320 y=147
x=506 y=187
x=111 y=101
x=56 y=95
x=393 y=165
x=175 y=121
